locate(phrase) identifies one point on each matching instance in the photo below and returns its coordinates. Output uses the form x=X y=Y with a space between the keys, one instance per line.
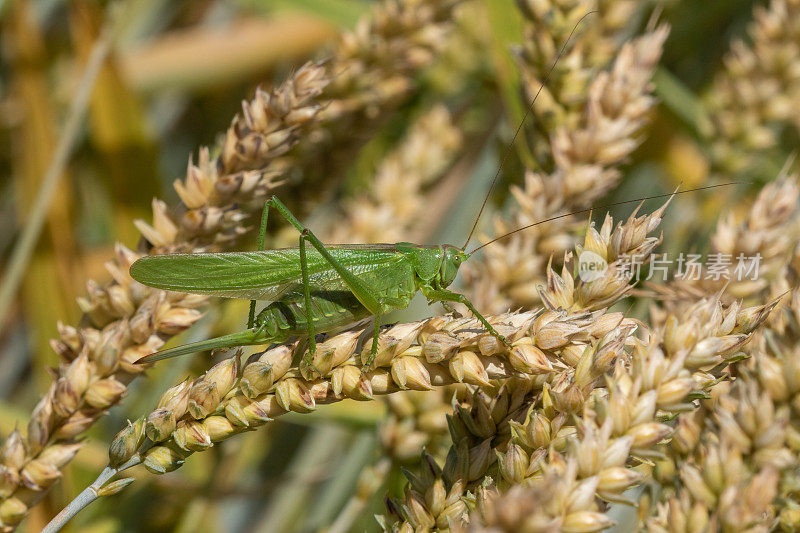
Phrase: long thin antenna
x=642 y=199
x=521 y=124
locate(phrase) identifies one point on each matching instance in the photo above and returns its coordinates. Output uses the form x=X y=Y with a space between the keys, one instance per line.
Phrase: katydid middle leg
x=312 y=341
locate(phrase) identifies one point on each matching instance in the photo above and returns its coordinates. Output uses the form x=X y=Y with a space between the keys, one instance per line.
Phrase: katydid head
x=452 y=257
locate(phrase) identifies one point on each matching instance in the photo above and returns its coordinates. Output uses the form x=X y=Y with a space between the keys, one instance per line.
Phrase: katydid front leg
x=444 y=295
x=365 y=293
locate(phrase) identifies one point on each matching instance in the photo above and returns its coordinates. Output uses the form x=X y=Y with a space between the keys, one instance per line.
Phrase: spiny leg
x=247 y=337
x=449 y=308
x=262 y=232
x=361 y=290
x=444 y=295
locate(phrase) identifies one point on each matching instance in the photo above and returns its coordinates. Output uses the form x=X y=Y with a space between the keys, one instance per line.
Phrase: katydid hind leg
x=444 y=295
x=247 y=337
x=361 y=290
x=365 y=294
x=449 y=308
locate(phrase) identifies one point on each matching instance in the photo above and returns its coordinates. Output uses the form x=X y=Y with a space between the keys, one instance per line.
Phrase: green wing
x=265 y=275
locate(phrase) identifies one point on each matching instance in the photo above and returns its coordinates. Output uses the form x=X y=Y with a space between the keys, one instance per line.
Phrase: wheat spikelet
x=768 y=231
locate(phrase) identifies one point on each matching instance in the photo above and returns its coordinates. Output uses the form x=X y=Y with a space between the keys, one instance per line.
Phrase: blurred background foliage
x=176 y=74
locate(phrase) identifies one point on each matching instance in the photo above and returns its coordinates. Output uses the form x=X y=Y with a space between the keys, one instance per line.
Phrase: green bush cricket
x=310 y=290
